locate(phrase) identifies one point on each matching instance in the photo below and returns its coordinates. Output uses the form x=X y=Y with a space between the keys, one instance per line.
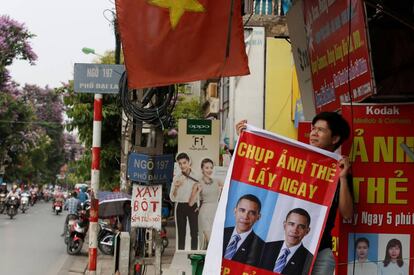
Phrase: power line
x=39 y=122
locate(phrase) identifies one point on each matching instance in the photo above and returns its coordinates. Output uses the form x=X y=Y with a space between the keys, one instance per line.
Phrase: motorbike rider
x=73 y=204
x=83 y=196
x=3 y=189
x=13 y=193
x=57 y=194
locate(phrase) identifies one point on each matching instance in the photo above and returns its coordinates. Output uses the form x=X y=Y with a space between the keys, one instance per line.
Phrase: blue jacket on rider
x=82 y=196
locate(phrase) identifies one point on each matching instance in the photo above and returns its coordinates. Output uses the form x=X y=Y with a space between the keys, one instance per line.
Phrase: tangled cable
x=154 y=108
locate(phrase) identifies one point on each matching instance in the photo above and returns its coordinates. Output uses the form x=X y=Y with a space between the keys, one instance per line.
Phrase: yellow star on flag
x=177 y=8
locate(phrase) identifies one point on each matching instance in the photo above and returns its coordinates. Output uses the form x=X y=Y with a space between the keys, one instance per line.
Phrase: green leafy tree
x=16 y=137
x=186 y=108
x=79 y=109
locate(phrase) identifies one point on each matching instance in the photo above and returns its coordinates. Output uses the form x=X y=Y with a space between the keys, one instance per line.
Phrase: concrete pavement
x=78 y=264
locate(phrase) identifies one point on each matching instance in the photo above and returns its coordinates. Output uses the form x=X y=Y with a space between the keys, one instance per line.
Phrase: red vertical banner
x=379 y=238
x=338 y=52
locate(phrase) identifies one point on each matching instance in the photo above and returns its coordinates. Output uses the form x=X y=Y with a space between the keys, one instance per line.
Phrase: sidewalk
x=105 y=264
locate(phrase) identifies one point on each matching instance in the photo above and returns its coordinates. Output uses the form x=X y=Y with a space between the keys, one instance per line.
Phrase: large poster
x=197 y=183
x=338 y=52
x=273 y=208
x=379 y=239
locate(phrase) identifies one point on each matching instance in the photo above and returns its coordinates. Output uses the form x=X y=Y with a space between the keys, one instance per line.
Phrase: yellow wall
x=279 y=95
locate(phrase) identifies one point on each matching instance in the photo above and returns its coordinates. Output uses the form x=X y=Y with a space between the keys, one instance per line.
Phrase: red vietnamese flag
x=176 y=41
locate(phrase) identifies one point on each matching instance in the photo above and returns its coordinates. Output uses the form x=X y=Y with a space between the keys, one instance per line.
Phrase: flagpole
x=229 y=29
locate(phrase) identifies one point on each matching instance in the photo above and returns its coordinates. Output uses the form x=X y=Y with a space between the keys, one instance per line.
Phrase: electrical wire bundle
x=154 y=108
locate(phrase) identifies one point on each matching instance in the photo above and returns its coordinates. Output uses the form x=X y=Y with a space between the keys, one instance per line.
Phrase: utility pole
x=154 y=146
x=95 y=172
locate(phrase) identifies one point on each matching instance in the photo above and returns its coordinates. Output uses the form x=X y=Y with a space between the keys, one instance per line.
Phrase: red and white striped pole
x=96 y=152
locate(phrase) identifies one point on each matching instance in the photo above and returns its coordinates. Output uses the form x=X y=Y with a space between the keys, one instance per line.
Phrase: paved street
x=31 y=242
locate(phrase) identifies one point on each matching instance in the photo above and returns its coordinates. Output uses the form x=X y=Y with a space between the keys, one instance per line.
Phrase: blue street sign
x=150 y=169
x=97 y=78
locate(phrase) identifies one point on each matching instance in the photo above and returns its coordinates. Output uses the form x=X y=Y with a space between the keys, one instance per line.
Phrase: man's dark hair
x=336 y=123
x=252 y=198
x=182 y=156
x=74 y=194
x=361 y=240
x=300 y=211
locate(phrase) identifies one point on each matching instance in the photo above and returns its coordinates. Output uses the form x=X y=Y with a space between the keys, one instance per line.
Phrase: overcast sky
x=62 y=29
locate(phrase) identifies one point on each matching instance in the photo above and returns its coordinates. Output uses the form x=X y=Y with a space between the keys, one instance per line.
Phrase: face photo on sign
x=394 y=253
x=281 y=209
x=362 y=254
x=267 y=199
x=363 y=245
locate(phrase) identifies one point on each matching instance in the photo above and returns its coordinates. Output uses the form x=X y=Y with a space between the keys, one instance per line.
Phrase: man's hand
x=241 y=126
x=344 y=165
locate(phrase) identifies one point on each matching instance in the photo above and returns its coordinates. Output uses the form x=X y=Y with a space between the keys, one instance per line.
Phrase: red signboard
x=379 y=238
x=277 y=201
x=338 y=52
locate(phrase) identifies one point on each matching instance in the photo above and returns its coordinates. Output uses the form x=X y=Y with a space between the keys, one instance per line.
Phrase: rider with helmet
x=13 y=193
x=3 y=189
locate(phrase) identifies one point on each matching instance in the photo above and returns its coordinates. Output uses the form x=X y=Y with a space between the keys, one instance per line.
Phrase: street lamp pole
x=87 y=50
x=95 y=173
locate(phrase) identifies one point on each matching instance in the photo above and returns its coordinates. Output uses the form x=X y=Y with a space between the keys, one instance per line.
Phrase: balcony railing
x=267 y=7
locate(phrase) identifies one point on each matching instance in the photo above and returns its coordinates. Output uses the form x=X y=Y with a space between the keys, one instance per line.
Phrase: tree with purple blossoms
x=14 y=44
x=31 y=123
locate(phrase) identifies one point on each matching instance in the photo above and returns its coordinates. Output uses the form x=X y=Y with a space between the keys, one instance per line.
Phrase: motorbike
x=46 y=195
x=58 y=206
x=2 y=202
x=24 y=202
x=77 y=232
x=71 y=221
x=12 y=206
x=33 y=197
x=106 y=237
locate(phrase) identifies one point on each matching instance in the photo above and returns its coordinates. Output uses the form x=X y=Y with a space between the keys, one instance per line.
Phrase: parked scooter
x=78 y=230
x=24 y=202
x=106 y=237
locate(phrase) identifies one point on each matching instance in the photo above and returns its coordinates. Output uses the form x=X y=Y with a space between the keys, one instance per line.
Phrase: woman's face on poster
x=207 y=169
x=362 y=250
x=394 y=252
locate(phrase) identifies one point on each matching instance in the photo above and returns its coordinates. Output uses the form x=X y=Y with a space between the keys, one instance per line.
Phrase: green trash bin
x=197 y=263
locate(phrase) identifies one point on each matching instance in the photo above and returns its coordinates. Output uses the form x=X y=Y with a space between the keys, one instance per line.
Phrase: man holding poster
x=329 y=130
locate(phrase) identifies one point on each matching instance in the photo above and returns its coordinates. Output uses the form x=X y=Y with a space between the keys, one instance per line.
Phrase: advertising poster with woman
x=197 y=183
x=381 y=153
x=273 y=208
